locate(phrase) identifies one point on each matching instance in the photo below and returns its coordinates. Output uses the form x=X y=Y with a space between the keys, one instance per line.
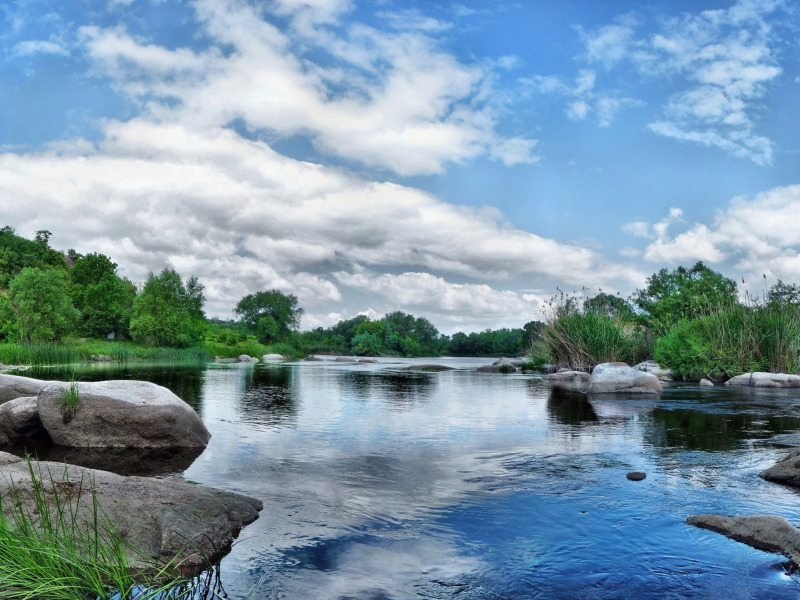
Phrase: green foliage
x=282 y=308
x=783 y=296
x=18 y=253
x=538 y=357
x=71 y=352
x=505 y=342
x=68 y=403
x=167 y=313
x=8 y=321
x=104 y=299
x=367 y=344
x=41 y=305
x=612 y=306
x=66 y=548
x=732 y=340
x=682 y=294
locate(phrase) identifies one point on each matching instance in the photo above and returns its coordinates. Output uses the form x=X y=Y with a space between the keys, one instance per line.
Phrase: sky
x=461 y=161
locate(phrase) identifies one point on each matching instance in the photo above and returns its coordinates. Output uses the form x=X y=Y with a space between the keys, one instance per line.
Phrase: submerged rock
x=765 y=380
x=313 y=359
x=619 y=378
x=369 y=361
x=786 y=470
x=706 y=383
x=503 y=367
x=347 y=359
x=19 y=420
x=14 y=386
x=636 y=476
x=568 y=379
x=429 y=368
x=162 y=518
x=651 y=366
x=764 y=532
x=130 y=414
x=517 y=362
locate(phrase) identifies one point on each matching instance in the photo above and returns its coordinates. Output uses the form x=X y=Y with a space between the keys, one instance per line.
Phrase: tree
x=167 y=313
x=104 y=299
x=783 y=296
x=8 y=321
x=282 y=308
x=42 y=307
x=610 y=306
x=672 y=296
x=17 y=253
x=367 y=344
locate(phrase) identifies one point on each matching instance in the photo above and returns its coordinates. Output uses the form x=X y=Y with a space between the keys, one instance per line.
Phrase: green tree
x=167 y=313
x=104 y=299
x=17 y=253
x=671 y=296
x=783 y=296
x=611 y=306
x=367 y=344
x=283 y=308
x=42 y=307
x=8 y=321
x=267 y=329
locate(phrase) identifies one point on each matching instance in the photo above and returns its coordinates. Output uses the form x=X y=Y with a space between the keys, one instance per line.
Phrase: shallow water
x=380 y=483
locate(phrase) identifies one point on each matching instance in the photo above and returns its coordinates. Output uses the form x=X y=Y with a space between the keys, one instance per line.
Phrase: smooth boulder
x=764 y=532
x=765 y=380
x=619 y=378
x=19 y=420
x=503 y=367
x=272 y=358
x=130 y=414
x=244 y=358
x=162 y=518
x=706 y=383
x=785 y=471
x=346 y=359
x=651 y=366
x=14 y=386
x=517 y=362
x=566 y=378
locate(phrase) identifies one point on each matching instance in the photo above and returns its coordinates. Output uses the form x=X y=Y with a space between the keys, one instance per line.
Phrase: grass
x=68 y=403
x=74 y=351
x=582 y=340
x=55 y=548
x=253 y=348
x=732 y=340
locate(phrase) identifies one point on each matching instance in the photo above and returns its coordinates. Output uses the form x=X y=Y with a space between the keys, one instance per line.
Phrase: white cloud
x=393 y=100
x=638 y=228
x=412 y=19
x=31 y=47
x=725 y=60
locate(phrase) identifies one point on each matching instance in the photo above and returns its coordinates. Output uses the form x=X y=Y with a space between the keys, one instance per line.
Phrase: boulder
x=101 y=358
x=14 y=386
x=619 y=378
x=130 y=414
x=503 y=367
x=225 y=360
x=313 y=359
x=764 y=532
x=19 y=420
x=765 y=380
x=369 y=361
x=636 y=476
x=244 y=358
x=273 y=358
x=786 y=470
x=429 y=368
x=162 y=518
x=517 y=362
x=563 y=370
x=567 y=378
x=347 y=359
x=706 y=383
x=651 y=366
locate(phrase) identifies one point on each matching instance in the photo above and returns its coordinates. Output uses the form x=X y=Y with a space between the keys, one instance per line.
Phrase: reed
x=72 y=352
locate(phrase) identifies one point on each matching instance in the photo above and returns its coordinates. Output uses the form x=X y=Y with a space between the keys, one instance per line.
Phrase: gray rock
x=313 y=359
x=765 y=380
x=155 y=516
x=706 y=383
x=786 y=470
x=225 y=360
x=563 y=370
x=19 y=419
x=101 y=358
x=370 y=361
x=569 y=379
x=244 y=358
x=651 y=366
x=130 y=414
x=636 y=476
x=429 y=368
x=347 y=359
x=764 y=532
x=517 y=362
x=273 y=358
x=619 y=378
x=14 y=386
x=503 y=367
x=111 y=336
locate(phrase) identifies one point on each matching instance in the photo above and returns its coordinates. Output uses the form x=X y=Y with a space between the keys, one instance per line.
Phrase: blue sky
x=457 y=160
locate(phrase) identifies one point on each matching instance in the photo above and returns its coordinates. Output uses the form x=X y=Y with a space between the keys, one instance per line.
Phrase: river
x=381 y=483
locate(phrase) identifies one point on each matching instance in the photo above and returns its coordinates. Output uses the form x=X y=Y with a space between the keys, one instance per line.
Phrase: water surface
x=381 y=483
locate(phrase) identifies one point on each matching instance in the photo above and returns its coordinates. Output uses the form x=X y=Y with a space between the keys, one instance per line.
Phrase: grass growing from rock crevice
x=53 y=547
x=68 y=402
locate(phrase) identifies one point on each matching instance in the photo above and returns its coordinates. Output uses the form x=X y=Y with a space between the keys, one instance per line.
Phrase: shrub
x=43 y=310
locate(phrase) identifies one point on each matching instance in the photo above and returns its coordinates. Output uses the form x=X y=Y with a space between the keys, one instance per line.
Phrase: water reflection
x=570 y=407
x=267 y=397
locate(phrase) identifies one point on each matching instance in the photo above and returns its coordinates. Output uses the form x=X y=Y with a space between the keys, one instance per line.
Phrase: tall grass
x=580 y=340
x=68 y=403
x=734 y=339
x=55 y=548
x=74 y=352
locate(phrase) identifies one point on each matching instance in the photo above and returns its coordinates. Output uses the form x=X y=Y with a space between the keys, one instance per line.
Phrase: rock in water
x=636 y=476
x=19 y=420
x=786 y=471
x=244 y=358
x=764 y=532
x=367 y=361
x=155 y=516
x=503 y=367
x=344 y=359
x=619 y=378
x=568 y=379
x=517 y=362
x=765 y=380
x=130 y=414
x=651 y=366
x=706 y=383
x=429 y=368
x=14 y=386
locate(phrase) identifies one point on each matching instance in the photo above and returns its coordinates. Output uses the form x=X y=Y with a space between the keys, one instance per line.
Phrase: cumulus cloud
x=394 y=100
x=30 y=47
x=725 y=59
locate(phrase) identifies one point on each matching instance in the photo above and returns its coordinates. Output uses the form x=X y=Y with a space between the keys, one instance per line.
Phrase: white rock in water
x=706 y=383
x=651 y=366
x=272 y=358
x=765 y=380
x=244 y=358
x=619 y=378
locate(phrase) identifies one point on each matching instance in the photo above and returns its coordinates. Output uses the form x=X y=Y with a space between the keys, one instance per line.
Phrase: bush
x=42 y=308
